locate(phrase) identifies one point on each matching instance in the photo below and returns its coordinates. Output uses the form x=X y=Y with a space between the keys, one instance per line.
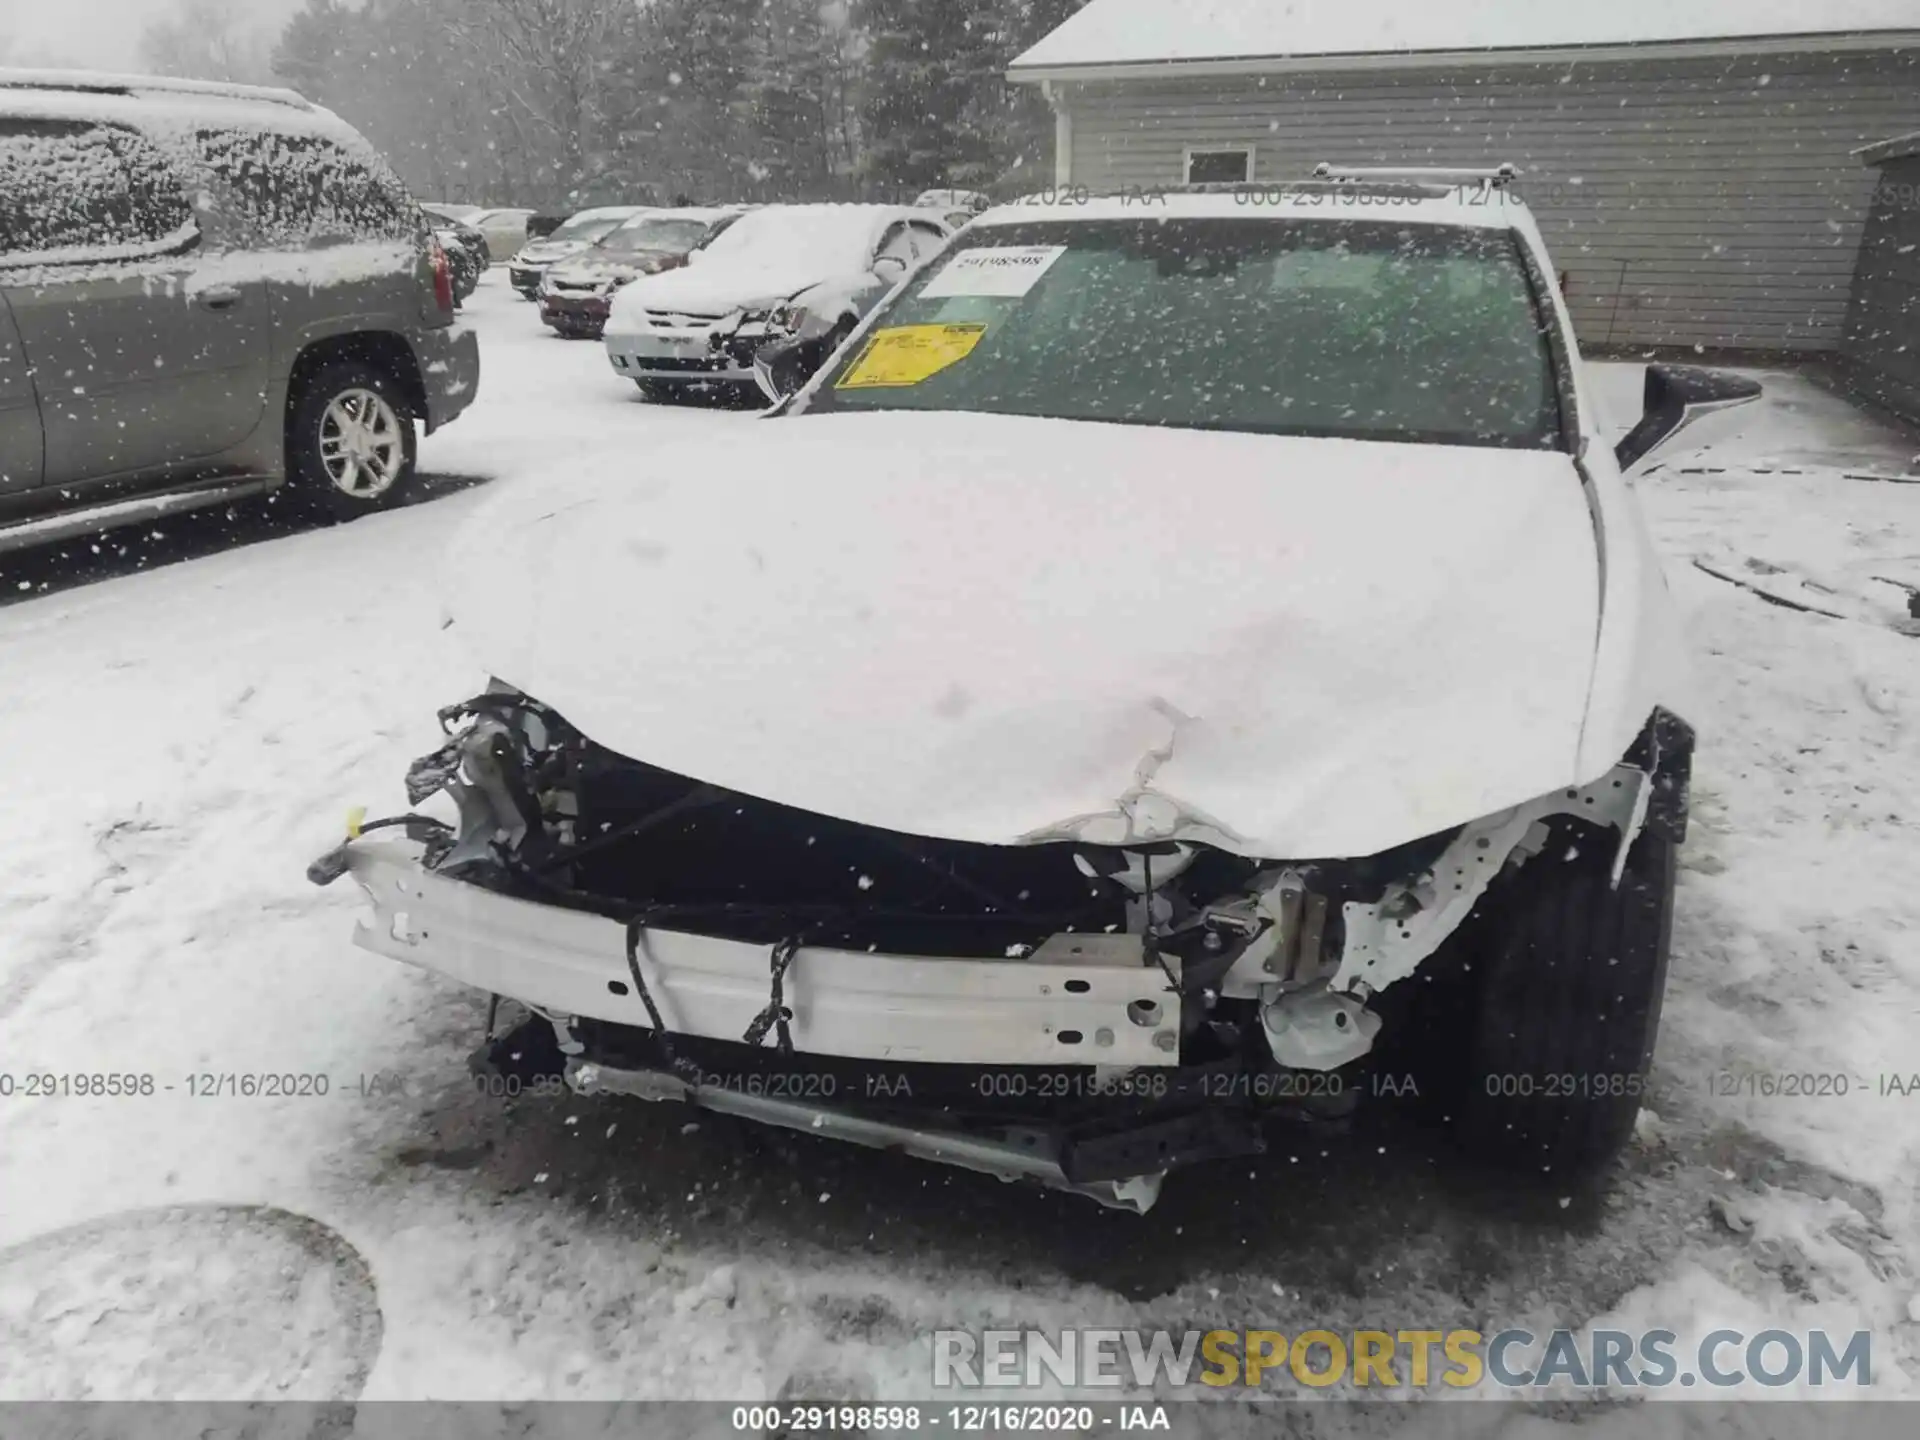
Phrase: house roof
x=1900 y=147
x=1225 y=36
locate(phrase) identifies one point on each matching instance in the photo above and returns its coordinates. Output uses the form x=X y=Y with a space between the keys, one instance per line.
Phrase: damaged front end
x=1086 y=1016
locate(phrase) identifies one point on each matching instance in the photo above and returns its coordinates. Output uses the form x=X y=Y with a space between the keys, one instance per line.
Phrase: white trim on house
x=1223 y=147
x=1431 y=59
x=1062 y=134
x=1882 y=151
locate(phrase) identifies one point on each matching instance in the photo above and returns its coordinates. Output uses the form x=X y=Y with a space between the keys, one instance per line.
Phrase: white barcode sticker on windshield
x=1009 y=270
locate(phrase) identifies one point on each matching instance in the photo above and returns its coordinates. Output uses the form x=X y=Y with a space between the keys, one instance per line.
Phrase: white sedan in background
x=804 y=273
x=505 y=229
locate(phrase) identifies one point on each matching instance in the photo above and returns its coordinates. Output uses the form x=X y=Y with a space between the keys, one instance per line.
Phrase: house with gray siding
x=1880 y=351
x=1692 y=165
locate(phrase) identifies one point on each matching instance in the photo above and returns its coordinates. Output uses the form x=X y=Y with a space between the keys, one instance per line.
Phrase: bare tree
x=205 y=40
x=547 y=58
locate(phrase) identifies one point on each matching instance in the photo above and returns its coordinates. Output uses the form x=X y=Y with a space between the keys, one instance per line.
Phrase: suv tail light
x=442 y=279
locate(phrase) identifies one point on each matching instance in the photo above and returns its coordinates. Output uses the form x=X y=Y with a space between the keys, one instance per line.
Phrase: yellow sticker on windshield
x=909 y=354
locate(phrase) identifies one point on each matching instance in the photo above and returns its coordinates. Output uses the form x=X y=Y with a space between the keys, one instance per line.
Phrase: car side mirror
x=890 y=268
x=780 y=369
x=1676 y=397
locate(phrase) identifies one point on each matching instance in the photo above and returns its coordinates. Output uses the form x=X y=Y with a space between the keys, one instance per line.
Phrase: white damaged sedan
x=1182 y=656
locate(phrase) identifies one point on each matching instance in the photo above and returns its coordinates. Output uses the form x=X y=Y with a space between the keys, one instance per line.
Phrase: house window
x=1219 y=167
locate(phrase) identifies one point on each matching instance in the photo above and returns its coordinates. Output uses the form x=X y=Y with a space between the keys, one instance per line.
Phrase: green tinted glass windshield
x=1315 y=327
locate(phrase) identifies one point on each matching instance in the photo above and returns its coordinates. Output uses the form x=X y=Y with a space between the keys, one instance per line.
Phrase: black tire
x=658 y=392
x=1571 y=973
x=312 y=485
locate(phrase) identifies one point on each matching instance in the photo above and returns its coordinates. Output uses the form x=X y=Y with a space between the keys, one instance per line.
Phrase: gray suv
x=208 y=291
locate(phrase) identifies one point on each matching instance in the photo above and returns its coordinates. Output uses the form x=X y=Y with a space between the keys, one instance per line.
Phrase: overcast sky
x=101 y=34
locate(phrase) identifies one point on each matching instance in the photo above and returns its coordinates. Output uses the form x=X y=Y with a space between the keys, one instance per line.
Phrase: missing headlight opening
x=1174 y=996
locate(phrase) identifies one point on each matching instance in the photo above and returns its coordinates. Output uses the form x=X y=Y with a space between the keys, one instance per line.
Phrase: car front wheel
x=351 y=443
x=1571 y=972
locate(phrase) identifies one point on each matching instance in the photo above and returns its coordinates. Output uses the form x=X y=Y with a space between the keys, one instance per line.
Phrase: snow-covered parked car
x=576 y=295
x=805 y=273
x=207 y=292
x=463 y=258
x=582 y=230
x=1175 y=663
x=506 y=229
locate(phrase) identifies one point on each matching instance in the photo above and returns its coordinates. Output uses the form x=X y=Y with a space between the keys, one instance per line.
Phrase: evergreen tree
x=790 y=92
x=311 y=46
x=929 y=67
x=563 y=103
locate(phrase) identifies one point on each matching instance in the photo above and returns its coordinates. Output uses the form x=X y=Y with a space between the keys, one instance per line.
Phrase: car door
x=20 y=440
x=893 y=259
x=147 y=359
x=331 y=234
x=928 y=239
x=895 y=245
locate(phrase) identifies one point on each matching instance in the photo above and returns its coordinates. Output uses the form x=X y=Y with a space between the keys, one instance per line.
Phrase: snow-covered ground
x=186 y=724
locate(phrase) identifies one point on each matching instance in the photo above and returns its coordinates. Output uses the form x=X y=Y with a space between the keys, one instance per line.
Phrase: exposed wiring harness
x=776 y=1015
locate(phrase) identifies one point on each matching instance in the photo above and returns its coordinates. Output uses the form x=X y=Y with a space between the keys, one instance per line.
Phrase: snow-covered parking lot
x=186 y=724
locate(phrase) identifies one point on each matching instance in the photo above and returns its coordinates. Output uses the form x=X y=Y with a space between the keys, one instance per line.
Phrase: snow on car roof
x=686 y=212
x=107 y=83
x=165 y=105
x=1140 y=32
x=822 y=232
x=1461 y=205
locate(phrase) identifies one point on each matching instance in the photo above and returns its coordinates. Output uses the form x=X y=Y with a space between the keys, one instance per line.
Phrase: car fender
x=1640 y=661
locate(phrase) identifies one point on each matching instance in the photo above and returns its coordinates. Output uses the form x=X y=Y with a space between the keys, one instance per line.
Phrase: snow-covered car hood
x=1003 y=629
x=719 y=287
x=589 y=271
x=547 y=252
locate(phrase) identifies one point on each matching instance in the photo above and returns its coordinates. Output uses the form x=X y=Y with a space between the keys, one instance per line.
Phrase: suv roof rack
x=91 y=82
x=1495 y=177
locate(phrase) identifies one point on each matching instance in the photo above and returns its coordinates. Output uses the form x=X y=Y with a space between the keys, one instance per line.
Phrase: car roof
x=93 y=82
x=609 y=212
x=849 y=207
x=158 y=103
x=1477 y=205
x=853 y=219
x=707 y=213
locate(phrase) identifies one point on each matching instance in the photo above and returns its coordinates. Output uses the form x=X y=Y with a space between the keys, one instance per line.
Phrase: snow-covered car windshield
x=1366 y=329
x=589 y=227
x=674 y=237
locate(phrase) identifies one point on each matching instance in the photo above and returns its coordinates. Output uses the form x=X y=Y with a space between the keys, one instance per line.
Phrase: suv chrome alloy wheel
x=361 y=444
